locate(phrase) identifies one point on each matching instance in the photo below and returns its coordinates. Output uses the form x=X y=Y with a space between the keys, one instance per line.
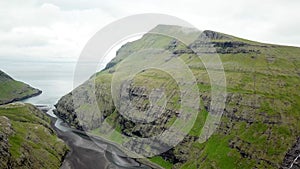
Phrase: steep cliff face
x=260 y=121
x=292 y=157
x=6 y=132
x=27 y=140
x=12 y=90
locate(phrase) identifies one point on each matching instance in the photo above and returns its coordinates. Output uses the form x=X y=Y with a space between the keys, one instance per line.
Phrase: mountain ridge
x=259 y=123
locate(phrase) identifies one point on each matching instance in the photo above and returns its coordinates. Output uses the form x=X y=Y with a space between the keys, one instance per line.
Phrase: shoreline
x=77 y=156
x=85 y=153
x=23 y=98
x=143 y=161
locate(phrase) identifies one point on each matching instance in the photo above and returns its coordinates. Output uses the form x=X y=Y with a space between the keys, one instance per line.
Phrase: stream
x=55 y=79
x=85 y=153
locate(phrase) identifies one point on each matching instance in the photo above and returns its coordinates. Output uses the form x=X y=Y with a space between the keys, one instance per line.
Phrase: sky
x=59 y=29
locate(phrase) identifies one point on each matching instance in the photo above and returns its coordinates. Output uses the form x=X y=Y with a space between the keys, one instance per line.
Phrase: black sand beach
x=85 y=153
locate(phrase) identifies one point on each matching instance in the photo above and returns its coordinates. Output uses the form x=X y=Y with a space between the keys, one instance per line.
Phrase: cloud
x=46 y=31
x=59 y=29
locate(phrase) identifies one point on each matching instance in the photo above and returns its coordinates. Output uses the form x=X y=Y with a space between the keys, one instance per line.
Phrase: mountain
x=27 y=140
x=260 y=124
x=12 y=90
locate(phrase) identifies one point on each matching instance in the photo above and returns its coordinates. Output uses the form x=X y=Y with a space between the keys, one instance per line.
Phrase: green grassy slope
x=260 y=123
x=12 y=90
x=27 y=140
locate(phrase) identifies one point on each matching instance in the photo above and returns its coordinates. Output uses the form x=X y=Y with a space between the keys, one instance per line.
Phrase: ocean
x=55 y=79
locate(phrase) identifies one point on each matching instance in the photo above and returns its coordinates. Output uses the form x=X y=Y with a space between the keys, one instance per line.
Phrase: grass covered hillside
x=27 y=140
x=12 y=90
x=260 y=124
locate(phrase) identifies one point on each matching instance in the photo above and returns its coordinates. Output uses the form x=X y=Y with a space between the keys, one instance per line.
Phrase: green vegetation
x=260 y=122
x=29 y=141
x=160 y=161
x=12 y=90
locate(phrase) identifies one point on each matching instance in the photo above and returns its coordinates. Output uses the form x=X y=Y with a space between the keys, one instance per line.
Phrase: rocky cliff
x=27 y=140
x=260 y=123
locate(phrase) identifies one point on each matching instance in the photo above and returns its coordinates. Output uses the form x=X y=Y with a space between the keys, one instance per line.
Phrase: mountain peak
x=4 y=76
x=215 y=35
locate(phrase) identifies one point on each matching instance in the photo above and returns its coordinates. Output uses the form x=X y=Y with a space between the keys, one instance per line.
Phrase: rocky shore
x=292 y=158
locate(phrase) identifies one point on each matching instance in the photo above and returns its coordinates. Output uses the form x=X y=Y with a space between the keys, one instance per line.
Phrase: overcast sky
x=59 y=29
